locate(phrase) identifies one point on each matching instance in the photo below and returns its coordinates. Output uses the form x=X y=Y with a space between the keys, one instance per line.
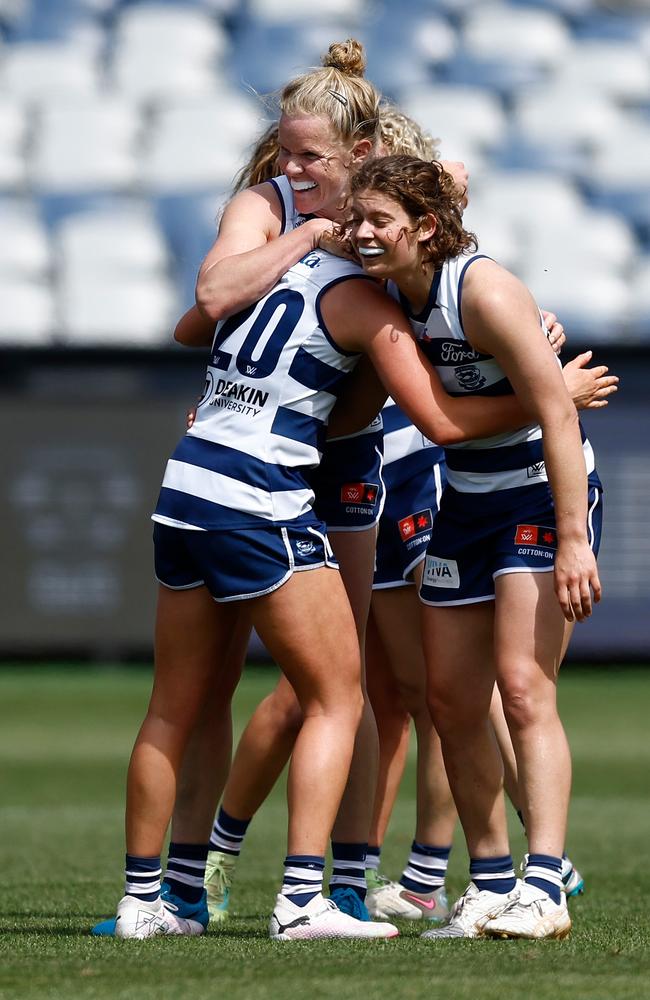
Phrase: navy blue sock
x=228 y=833
x=349 y=868
x=373 y=857
x=545 y=871
x=303 y=877
x=493 y=874
x=186 y=870
x=426 y=868
x=142 y=877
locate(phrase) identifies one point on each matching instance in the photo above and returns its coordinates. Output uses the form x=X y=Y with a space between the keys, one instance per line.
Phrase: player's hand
x=319 y=228
x=588 y=387
x=576 y=579
x=555 y=331
x=190 y=417
x=337 y=240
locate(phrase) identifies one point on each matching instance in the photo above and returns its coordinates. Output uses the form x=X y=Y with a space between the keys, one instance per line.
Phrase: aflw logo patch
x=414 y=524
x=441 y=572
x=359 y=493
x=535 y=534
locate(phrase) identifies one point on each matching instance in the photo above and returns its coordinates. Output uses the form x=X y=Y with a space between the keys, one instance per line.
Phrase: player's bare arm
x=249 y=255
x=500 y=318
x=362 y=317
x=193 y=329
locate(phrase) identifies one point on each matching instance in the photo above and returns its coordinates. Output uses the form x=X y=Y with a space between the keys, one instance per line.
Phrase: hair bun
x=348 y=57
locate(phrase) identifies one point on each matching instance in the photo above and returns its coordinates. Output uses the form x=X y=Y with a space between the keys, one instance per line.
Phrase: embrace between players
x=253 y=530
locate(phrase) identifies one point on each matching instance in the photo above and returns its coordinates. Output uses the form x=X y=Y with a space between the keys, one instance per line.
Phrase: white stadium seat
x=86 y=145
x=162 y=52
x=499 y=31
x=610 y=67
x=44 y=70
x=125 y=312
x=622 y=156
x=201 y=145
x=460 y=110
x=593 y=305
x=115 y=241
x=552 y=114
x=13 y=132
x=640 y=300
x=347 y=11
x=25 y=251
x=28 y=315
x=527 y=198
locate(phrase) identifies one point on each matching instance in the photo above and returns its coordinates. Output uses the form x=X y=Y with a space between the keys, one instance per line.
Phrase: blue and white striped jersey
x=406 y=450
x=273 y=376
x=291 y=219
x=504 y=461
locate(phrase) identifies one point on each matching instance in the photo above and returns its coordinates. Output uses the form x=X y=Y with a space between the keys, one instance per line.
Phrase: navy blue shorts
x=238 y=563
x=479 y=536
x=405 y=525
x=348 y=482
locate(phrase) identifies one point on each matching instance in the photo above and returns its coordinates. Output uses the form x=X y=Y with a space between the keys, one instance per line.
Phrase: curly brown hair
x=420 y=187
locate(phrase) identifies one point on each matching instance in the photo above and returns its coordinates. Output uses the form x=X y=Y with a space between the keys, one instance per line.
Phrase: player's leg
x=531 y=636
x=206 y=765
x=308 y=628
x=458 y=643
x=191 y=632
x=262 y=753
x=572 y=881
x=355 y=552
x=421 y=888
x=394 y=731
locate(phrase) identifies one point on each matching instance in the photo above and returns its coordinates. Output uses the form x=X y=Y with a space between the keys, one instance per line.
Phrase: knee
x=525 y=703
x=452 y=715
x=286 y=713
x=413 y=697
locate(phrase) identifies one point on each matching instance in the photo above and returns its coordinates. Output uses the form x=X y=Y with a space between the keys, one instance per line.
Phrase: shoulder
x=355 y=310
x=258 y=206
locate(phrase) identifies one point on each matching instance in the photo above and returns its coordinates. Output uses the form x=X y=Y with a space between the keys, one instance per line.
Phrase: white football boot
x=391 y=899
x=533 y=914
x=471 y=912
x=137 y=918
x=321 y=918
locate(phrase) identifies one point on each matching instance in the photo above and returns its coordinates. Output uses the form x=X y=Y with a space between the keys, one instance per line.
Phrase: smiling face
x=316 y=164
x=386 y=238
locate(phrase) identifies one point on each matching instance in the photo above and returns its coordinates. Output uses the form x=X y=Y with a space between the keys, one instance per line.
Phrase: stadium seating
x=158 y=101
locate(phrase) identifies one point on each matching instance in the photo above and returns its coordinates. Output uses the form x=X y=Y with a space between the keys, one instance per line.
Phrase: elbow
x=448 y=435
x=181 y=336
x=210 y=302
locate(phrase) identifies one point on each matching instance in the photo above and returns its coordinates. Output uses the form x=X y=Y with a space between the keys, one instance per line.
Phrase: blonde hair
x=263 y=162
x=338 y=92
x=400 y=134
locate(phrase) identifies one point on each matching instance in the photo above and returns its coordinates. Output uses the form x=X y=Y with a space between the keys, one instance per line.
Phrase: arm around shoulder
x=362 y=317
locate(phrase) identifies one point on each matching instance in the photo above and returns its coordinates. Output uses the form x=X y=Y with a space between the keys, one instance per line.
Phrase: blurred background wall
x=122 y=124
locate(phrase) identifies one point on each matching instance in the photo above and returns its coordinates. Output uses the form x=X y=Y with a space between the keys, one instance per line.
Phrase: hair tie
x=341 y=98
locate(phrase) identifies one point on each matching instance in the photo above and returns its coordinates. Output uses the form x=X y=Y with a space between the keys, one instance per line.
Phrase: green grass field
x=65 y=737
